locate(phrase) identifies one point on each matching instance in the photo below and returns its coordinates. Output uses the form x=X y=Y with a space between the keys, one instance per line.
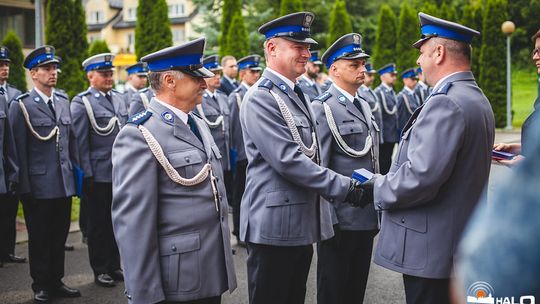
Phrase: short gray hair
x=459 y=50
x=156 y=78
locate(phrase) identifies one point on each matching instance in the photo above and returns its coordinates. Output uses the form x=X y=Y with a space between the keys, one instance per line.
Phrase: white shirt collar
x=128 y=86
x=408 y=90
x=232 y=81
x=345 y=93
x=283 y=78
x=246 y=85
x=181 y=114
x=389 y=88
x=210 y=93
x=422 y=84
x=309 y=81
x=4 y=86
x=44 y=97
x=443 y=79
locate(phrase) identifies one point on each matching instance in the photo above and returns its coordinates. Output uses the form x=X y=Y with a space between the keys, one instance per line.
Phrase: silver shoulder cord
x=376 y=107
x=215 y=124
x=339 y=140
x=407 y=104
x=238 y=100
x=394 y=110
x=173 y=174
x=54 y=131
x=310 y=152
x=145 y=101
x=101 y=131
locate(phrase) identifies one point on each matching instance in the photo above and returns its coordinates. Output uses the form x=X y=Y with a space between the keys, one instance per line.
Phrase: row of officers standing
x=160 y=159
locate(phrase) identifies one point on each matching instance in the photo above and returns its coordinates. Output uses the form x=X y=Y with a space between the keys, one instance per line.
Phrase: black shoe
x=104 y=280
x=66 y=292
x=11 y=258
x=69 y=247
x=41 y=296
x=117 y=275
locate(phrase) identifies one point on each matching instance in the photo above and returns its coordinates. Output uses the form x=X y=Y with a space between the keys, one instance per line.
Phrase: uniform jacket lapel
x=285 y=89
x=41 y=103
x=102 y=100
x=58 y=107
x=347 y=104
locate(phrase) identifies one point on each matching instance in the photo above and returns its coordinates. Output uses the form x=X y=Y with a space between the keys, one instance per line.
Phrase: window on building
x=131 y=42
x=131 y=14
x=22 y=21
x=92 y=38
x=97 y=17
x=178 y=36
x=176 y=10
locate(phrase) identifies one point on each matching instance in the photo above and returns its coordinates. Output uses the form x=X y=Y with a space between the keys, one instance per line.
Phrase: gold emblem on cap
x=307 y=20
x=48 y=49
x=356 y=39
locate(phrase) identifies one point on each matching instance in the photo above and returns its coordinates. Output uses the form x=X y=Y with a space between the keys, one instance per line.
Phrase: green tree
x=492 y=74
x=408 y=32
x=290 y=6
x=98 y=47
x=340 y=22
x=429 y=8
x=385 y=45
x=229 y=9
x=472 y=17
x=153 y=28
x=447 y=11
x=16 y=70
x=237 y=38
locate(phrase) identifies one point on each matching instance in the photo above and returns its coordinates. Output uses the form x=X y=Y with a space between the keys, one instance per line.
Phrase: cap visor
x=419 y=43
x=258 y=68
x=305 y=40
x=201 y=73
x=318 y=62
x=356 y=56
x=5 y=60
x=53 y=60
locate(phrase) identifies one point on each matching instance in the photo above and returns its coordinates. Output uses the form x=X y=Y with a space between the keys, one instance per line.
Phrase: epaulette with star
x=81 y=94
x=61 y=94
x=23 y=95
x=266 y=83
x=140 y=117
x=443 y=90
x=144 y=90
x=324 y=96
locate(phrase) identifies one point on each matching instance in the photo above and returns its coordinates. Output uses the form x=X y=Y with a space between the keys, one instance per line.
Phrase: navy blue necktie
x=2 y=91
x=193 y=126
x=49 y=103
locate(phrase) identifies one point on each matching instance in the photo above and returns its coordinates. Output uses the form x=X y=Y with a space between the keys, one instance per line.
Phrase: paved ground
x=383 y=286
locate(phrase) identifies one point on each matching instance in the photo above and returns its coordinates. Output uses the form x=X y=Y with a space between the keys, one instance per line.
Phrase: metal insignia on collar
x=36 y=98
x=96 y=95
x=341 y=98
x=283 y=87
x=168 y=117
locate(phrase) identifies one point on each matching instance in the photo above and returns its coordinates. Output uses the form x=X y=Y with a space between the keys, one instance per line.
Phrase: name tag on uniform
x=498 y=155
x=362 y=175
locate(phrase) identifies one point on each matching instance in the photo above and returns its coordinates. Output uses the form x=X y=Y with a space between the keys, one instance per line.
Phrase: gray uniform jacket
x=174 y=245
x=354 y=127
x=9 y=171
x=312 y=89
x=406 y=100
x=95 y=150
x=369 y=95
x=128 y=95
x=45 y=167
x=440 y=172
x=136 y=104
x=11 y=93
x=390 y=120
x=237 y=141
x=281 y=204
x=422 y=90
x=212 y=110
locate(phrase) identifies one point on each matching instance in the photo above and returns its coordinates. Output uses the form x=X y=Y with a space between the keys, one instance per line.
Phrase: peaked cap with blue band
x=315 y=57
x=437 y=27
x=389 y=68
x=40 y=56
x=418 y=70
x=294 y=27
x=4 y=54
x=409 y=73
x=349 y=46
x=139 y=68
x=250 y=62
x=99 y=62
x=212 y=63
x=369 y=68
x=186 y=58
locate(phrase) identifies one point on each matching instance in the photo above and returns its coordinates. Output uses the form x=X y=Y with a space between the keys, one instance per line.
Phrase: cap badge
x=307 y=20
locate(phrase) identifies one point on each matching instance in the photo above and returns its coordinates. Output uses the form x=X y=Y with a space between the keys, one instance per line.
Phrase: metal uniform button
x=402 y=220
x=173 y=248
x=286 y=200
x=187 y=159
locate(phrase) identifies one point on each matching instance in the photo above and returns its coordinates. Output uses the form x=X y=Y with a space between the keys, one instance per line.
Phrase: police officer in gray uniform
x=137 y=80
x=98 y=114
x=140 y=101
x=349 y=140
x=250 y=72
x=441 y=169
x=214 y=110
x=10 y=91
x=422 y=90
x=10 y=201
x=170 y=209
x=47 y=149
x=8 y=182
x=308 y=81
x=369 y=95
x=407 y=100
x=387 y=97
x=282 y=215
